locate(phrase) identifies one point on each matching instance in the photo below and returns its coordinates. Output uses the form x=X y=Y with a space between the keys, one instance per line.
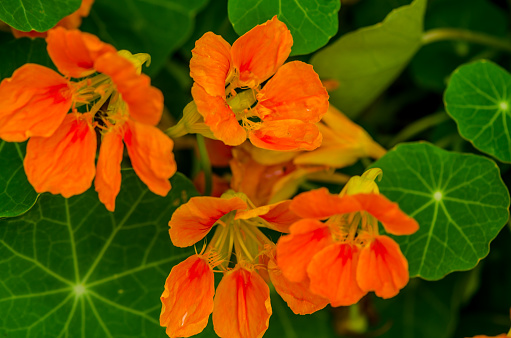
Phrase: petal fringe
x=333 y=273
x=34 y=102
x=193 y=220
x=242 y=305
x=150 y=152
x=64 y=162
x=188 y=297
x=258 y=54
x=382 y=268
x=108 y=170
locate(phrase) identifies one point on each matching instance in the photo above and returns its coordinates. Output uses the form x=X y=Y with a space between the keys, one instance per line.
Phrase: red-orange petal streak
x=188 y=297
x=394 y=220
x=64 y=162
x=261 y=51
x=382 y=268
x=333 y=272
x=242 y=305
x=34 y=102
x=108 y=170
x=320 y=204
x=295 y=92
x=150 y=152
x=75 y=52
x=145 y=102
x=298 y=296
x=211 y=63
x=194 y=219
x=295 y=251
x=286 y=135
x=219 y=117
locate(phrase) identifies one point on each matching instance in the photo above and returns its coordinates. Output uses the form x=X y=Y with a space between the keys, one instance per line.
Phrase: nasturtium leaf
x=311 y=22
x=478 y=98
x=365 y=62
x=475 y=15
x=16 y=194
x=459 y=201
x=156 y=27
x=69 y=268
x=27 y=15
x=422 y=309
x=16 y=53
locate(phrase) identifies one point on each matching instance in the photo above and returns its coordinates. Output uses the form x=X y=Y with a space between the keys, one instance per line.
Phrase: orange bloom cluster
x=346 y=257
x=241 y=306
x=231 y=95
x=317 y=263
x=102 y=89
x=72 y=21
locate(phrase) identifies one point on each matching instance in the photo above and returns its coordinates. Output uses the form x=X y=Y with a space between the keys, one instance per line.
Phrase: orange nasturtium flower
x=346 y=257
x=241 y=306
x=72 y=21
x=60 y=116
x=231 y=95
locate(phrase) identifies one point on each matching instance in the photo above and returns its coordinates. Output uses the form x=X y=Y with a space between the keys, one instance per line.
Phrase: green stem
x=442 y=34
x=205 y=164
x=418 y=127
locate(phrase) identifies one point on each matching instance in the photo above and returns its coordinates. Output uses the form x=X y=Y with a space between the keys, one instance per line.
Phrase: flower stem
x=442 y=34
x=418 y=127
x=205 y=164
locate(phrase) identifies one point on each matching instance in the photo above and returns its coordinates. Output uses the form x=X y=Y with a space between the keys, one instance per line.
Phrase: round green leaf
x=365 y=62
x=156 y=27
x=27 y=15
x=16 y=194
x=311 y=22
x=459 y=201
x=478 y=98
x=69 y=268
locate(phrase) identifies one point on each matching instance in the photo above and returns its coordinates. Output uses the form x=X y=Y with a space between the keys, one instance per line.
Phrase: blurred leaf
x=476 y=15
x=16 y=53
x=27 y=15
x=72 y=269
x=16 y=194
x=370 y=12
x=423 y=309
x=478 y=98
x=157 y=27
x=459 y=201
x=365 y=62
x=311 y=22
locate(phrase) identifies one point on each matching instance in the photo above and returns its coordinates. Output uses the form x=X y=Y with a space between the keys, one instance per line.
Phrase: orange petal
x=333 y=273
x=219 y=153
x=242 y=305
x=31 y=34
x=74 y=20
x=320 y=204
x=394 y=220
x=188 y=297
x=382 y=268
x=295 y=251
x=219 y=117
x=286 y=135
x=193 y=220
x=144 y=101
x=503 y=335
x=298 y=296
x=219 y=184
x=64 y=162
x=295 y=92
x=151 y=156
x=108 y=170
x=278 y=215
x=75 y=52
x=34 y=102
x=261 y=51
x=211 y=63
